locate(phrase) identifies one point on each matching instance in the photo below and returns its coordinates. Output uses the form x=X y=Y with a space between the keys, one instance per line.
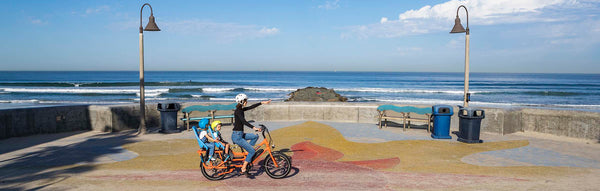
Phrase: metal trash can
x=470 y=124
x=441 y=121
x=168 y=117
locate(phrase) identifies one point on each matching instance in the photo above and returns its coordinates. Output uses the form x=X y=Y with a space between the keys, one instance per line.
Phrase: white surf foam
x=251 y=99
x=390 y=90
x=217 y=89
x=84 y=90
x=20 y=101
x=270 y=89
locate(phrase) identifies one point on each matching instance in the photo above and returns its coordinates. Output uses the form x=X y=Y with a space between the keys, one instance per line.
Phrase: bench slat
x=203 y=108
x=206 y=108
x=405 y=109
x=200 y=118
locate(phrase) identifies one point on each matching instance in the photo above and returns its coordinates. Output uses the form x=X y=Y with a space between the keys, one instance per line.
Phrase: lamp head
x=151 y=24
x=458 y=28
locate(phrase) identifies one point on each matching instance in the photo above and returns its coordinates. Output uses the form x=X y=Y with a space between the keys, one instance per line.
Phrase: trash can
x=469 y=124
x=168 y=117
x=441 y=121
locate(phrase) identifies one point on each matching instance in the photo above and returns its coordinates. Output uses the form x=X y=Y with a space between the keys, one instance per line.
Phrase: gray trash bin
x=168 y=117
x=469 y=124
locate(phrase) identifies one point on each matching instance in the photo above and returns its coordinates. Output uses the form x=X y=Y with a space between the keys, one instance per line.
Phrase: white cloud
x=269 y=31
x=579 y=34
x=221 y=31
x=100 y=9
x=409 y=50
x=329 y=5
x=383 y=20
x=440 y=17
x=36 y=21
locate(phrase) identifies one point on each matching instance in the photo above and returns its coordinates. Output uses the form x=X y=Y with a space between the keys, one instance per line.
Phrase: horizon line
x=346 y=71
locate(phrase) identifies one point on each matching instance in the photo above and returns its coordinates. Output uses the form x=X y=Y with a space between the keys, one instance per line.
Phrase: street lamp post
x=150 y=27
x=458 y=28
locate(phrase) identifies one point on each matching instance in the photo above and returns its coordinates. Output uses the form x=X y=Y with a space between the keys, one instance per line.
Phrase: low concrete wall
x=29 y=121
x=21 y=122
x=577 y=124
x=109 y=118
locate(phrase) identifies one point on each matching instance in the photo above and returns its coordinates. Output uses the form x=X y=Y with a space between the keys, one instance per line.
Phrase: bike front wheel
x=284 y=165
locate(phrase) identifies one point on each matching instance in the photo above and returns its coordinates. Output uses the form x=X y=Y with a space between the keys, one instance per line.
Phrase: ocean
x=499 y=90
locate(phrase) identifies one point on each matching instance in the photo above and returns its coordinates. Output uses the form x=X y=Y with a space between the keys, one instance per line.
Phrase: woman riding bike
x=238 y=136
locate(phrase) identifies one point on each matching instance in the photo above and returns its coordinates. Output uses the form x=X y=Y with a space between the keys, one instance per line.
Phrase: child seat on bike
x=203 y=124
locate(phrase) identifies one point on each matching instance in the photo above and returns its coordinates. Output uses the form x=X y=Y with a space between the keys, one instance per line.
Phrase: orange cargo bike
x=276 y=164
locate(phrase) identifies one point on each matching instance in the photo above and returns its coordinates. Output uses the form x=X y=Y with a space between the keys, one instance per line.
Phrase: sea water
x=553 y=91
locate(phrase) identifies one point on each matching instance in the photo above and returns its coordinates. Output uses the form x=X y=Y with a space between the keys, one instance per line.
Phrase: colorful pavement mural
x=323 y=158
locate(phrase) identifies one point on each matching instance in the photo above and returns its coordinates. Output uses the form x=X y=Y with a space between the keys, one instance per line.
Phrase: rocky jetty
x=316 y=94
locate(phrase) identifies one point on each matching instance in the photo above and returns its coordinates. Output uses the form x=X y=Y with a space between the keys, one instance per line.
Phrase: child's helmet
x=203 y=124
x=215 y=124
x=240 y=98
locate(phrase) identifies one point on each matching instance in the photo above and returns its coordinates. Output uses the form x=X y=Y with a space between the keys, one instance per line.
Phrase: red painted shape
x=377 y=164
x=311 y=151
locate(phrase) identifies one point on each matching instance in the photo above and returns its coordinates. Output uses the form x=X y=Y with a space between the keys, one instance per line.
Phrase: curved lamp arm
x=458 y=9
x=152 y=15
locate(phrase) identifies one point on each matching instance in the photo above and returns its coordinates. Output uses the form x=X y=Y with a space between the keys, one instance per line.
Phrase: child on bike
x=219 y=142
x=208 y=140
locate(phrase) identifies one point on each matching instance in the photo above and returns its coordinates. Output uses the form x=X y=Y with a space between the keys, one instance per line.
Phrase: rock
x=316 y=94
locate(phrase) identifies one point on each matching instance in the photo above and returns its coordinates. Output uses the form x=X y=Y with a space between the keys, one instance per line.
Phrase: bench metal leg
x=187 y=121
x=429 y=124
x=403 y=122
x=379 y=120
x=385 y=123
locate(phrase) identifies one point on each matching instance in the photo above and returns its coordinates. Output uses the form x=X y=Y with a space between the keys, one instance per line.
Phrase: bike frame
x=242 y=157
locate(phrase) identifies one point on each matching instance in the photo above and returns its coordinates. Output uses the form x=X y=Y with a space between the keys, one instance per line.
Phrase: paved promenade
x=326 y=155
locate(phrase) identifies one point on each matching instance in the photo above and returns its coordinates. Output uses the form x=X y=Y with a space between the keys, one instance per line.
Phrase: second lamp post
x=150 y=27
x=458 y=28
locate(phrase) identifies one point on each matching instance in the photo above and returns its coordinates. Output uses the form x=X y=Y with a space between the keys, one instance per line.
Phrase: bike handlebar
x=264 y=129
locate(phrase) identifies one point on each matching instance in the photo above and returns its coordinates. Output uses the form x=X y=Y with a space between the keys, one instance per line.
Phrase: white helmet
x=240 y=98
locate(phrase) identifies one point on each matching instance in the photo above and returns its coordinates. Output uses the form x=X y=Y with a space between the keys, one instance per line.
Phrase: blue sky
x=537 y=36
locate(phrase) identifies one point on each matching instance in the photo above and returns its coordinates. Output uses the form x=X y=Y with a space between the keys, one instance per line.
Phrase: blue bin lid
x=442 y=110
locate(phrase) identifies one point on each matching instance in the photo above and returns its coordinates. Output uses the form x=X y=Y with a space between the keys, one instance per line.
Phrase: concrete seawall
x=28 y=121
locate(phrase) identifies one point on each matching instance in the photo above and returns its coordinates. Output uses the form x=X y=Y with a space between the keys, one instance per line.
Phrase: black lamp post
x=150 y=27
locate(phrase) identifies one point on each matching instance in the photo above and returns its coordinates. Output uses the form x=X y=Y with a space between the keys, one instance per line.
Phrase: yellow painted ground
x=415 y=155
x=176 y=154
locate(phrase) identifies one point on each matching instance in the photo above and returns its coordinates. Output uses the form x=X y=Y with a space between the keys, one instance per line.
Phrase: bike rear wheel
x=213 y=170
x=284 y=165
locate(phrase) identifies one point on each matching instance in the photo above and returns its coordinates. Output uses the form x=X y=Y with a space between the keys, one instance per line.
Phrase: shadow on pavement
x=258 y=169
x=18 y=143
x=53 y=164
x=400 y=125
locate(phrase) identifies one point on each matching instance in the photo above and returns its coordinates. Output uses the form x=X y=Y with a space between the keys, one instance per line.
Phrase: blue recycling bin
x=441 y=121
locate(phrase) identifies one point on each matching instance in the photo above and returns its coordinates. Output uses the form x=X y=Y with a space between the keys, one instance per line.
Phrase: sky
x=524 y=36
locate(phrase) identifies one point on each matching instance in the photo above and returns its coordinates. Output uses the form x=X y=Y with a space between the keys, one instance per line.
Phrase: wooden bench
x=211 y=109
x=405 y=112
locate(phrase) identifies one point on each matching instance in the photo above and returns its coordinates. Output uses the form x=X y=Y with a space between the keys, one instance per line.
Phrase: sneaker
x=209 y=161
